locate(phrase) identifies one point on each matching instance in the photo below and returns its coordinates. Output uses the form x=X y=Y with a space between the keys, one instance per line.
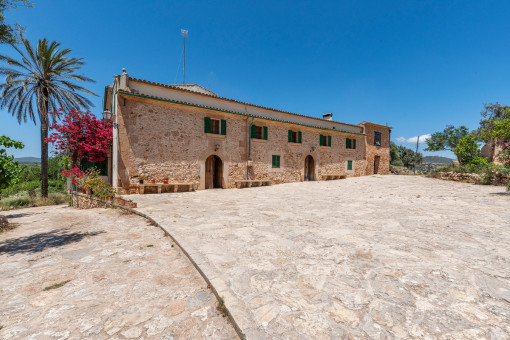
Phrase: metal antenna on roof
x=184 y=34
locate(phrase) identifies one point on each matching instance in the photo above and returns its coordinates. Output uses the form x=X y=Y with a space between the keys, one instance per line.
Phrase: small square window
x=276 y=161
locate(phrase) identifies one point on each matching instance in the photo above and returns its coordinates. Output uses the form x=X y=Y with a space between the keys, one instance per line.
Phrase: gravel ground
x=99 y=274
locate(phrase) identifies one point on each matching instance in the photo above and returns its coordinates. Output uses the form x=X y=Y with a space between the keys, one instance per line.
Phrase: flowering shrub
x=81 y=135
x=99 y=188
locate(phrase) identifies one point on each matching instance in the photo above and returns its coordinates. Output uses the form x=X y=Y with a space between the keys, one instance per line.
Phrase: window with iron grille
x=377 y=138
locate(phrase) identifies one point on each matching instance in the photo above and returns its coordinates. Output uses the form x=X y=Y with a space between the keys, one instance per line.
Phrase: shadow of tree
x=39 y=242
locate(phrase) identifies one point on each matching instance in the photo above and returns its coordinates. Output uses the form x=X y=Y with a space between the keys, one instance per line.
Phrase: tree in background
x=467 y=149
x=492 y=113
x=409 y=156
x=446 y=139
x=394 y=155
x=9 y=34
x=501 y=130
x=10 y=170
x=42 y=82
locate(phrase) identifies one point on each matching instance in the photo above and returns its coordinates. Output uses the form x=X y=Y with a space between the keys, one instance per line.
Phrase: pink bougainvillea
x=80 y=135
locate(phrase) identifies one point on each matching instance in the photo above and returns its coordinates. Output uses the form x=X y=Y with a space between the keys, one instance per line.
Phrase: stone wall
x=84 y=201
x=161 y=140
x=373 y=151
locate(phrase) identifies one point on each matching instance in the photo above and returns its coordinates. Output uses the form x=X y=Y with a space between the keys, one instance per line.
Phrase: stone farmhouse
x=188 y=134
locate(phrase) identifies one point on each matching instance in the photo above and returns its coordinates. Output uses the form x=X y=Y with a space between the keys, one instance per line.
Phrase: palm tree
x=42 y=82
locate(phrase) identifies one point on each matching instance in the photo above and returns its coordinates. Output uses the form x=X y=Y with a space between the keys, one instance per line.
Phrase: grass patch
x=221 y=307
x=56 y=285
x=23 y=200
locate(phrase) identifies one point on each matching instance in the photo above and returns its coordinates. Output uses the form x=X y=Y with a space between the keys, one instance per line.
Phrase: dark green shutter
x=275 y=161
x=299 y=137
x=354 y=144
x=253 y=131
x=278 y=161
x=265 y=132
x=329 y=140
x=347 y=143
x=223 y=127
x=207 y=125
x=320 y=140
x=349 y=165
x=290 y=136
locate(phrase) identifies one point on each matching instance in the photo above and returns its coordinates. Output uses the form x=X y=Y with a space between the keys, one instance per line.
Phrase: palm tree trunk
x=44 y=158
x=44 y=151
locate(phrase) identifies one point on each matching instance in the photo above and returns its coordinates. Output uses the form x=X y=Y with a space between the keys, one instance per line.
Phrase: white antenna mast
x=184 y=34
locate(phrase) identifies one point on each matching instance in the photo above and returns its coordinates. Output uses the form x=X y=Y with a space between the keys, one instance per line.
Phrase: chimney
x=328 y=116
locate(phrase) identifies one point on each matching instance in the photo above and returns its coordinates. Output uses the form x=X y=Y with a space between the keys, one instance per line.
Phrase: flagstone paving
x=100 y=274
x=370 y=257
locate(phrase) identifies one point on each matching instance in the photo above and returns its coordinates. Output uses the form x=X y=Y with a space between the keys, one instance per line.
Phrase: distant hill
x=28 y=160
x=437 y=160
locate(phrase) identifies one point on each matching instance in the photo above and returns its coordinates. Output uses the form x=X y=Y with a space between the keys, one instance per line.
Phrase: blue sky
x=414 y=65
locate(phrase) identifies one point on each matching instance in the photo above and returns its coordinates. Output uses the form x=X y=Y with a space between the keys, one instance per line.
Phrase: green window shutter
x=299 y=137
x=253 y=131
x=223 y=127
x=320 y=140
x=347 y=143
x=207 y=125
x=349 y=165
x=329 y=140
x=354 y=144
x=265 y=132
x=290 y=136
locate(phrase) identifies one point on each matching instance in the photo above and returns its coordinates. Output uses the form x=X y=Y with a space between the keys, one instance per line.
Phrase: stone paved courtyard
x=121 y=279
x=378 y=256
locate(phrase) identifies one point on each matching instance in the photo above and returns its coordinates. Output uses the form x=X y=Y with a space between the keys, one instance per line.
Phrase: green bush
x=100 y=188
x=479 y=161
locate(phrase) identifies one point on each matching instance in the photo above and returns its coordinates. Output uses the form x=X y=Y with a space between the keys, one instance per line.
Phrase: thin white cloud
x=423 y=138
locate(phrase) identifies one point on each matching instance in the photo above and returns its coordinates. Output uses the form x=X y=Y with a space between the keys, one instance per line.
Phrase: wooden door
x=209 y=172
x=309 y=168
x=376 y=164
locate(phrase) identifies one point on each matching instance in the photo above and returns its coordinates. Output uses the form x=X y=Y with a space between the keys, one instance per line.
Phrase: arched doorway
x=309 y=168
x=213 y=172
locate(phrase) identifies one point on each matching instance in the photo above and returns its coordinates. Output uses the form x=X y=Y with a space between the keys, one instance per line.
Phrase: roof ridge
x=237 y=101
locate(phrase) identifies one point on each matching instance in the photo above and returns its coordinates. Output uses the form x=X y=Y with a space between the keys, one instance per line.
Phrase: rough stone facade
x=159 y=138
x=373 y=151
x=492 y=149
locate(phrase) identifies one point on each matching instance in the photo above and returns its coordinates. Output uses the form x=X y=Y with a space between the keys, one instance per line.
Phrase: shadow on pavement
x=500 y=193
x=39 y=242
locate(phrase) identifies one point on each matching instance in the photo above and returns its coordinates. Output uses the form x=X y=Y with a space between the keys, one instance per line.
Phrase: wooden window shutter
x=207 y=125
x=320 y=140
x=349 y=165
x=223 y=127
x=329 y=140
x=265 y=132
x=290 y=136
x=347 y=143
x=354 y=143
x=253 y=132
x=299 y=137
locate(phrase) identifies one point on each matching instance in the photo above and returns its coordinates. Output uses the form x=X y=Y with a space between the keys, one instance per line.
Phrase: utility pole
x=416 y=154
x=184 y=34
